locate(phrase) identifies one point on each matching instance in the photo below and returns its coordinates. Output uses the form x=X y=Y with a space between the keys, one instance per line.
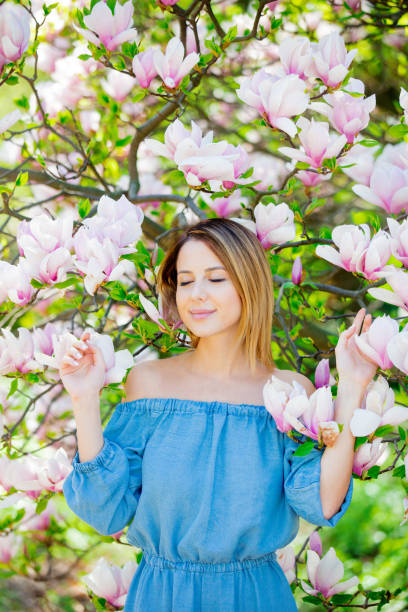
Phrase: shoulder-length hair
x=244 y=258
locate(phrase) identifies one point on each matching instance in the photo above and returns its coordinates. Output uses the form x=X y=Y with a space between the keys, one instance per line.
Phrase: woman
x=192 y=457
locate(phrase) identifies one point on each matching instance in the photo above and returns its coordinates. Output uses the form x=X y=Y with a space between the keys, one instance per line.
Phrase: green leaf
x=366 y=142
x=22 y=178
x=374 y=471
x=85 y=56
x=41 y=505
x=399 y=472
x=402 y=432
x=84 y=206
x=66 y=283
x=123 y=141
x=384 y=430
x=359 y=441
x=13 y=387
x=304 y=449
x=312 y=599
x=12 y=80
x=340 y=598
x=36 y=284
x=302 y=165
x=398 y=131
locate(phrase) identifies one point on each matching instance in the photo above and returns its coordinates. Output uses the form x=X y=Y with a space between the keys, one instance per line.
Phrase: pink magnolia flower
x=42 y=338
x=10 y=119
x=22 y=474
x=373 y=343
x=348 y=114
x=397 y=349
x=325 y=574
x=351 y=241
x=14 y=32
x=10 y=545
x=249 y=91
x=277 y=396
x=119 y=220
x=403 y=100
x=297 y=271
x=373 y=259
x=317 y=144
x=398 y=281
x=110 y=581
x=274 y=224
x=295 y=55
x=396 y=154
x=315 y=543
x=44 y=234
x=38 y=522
x=311 y=179
x=369 y=454
x=362 y=159
x=168 y=2
x=90 y=120
x=330 y=60
x=388 y=188
x=225 y=206
x=118 y=85
x=15 y=284
x=287 y=561
x=116 y=363
x=399 y=239
x=171 y=66
x=144 y=68
x=151 y=310
x=17 y=354
x=48 y=268
x=405 y=505
x=107 y=28
x=377 y=409
x=240 y=165
x=174 y=135
x=282 y=98
x=323 y=378
x=53 y=471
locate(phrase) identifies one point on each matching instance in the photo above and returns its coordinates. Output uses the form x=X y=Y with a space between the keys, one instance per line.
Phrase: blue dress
x=212 y=489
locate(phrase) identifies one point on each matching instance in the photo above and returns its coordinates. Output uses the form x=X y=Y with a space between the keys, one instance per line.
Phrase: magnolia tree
x=122 y=123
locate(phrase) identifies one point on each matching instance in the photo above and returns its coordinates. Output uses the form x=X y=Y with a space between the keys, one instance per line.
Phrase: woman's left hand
x=352 y=365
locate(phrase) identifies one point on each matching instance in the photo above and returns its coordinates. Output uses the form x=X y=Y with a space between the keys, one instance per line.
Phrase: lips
x=201 y=311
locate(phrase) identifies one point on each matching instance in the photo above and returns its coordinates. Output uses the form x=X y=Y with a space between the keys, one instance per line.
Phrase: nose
x=198 y=290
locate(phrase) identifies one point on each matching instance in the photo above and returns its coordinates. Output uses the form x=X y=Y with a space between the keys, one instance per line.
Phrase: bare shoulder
x=291 y=375
x=148 y=375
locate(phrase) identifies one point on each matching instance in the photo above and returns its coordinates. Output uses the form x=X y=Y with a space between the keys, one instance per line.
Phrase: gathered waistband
x=201 y=566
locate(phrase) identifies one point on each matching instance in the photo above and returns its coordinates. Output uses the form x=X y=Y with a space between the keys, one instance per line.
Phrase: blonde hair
x=244 y=258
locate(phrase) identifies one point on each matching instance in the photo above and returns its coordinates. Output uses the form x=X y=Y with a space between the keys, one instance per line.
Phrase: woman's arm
x=337 y=461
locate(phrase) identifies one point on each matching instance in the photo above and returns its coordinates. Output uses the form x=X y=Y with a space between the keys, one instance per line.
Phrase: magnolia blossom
x=107 y=28
x=17 y=353
x=405 y=504
x=8 y=120
x=373 y=259
x=399 y=239
x=15 y=284
x=199 y=158
x=315 y=543
x=275 y=98
x=398 y=281
x=323 y=378
x=168 y=2
x=110 y=581
x=397 y=349
x=22 y=474
x=116 y=363
x=348 y=114
x=144 y=68
x=119 y=220
x=373 y=343
x=287 y=560
x=223 y=207
x=118 y=85
x=377 y=409
x=151 y=310
x=330 y=60
x=317 y=144
x=351 y=241
x=294 y=53
x=274 y=224
x=53 y=471
x=388 y=188
x=10 y=545
x=43 y=234
x=369 y=454
x=291 y=408
x=48 y=268
x=325 y=574
x=360 y=160
x=297 y=271
x=403 y=100
x=171 y=66
x=14 y=32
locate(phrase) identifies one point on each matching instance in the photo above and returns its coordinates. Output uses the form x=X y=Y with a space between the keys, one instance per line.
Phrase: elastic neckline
x=191 y=401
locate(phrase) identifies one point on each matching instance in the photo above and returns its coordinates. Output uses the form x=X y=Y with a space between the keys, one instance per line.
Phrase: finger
x=75 y=353
x=70 y=360
x=81 y=344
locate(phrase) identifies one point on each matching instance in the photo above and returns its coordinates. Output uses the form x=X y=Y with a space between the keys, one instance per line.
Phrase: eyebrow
x=212 y=268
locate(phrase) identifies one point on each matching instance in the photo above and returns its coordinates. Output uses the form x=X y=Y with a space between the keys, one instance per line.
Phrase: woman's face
x=203 y=284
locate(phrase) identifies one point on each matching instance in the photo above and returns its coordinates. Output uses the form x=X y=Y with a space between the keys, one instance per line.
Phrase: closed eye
x=212 y=280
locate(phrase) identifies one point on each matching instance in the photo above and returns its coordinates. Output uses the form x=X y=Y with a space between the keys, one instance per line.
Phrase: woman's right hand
x=82 y=369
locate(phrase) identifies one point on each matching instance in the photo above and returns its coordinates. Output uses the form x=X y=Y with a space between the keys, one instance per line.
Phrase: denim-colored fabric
x=211 y=490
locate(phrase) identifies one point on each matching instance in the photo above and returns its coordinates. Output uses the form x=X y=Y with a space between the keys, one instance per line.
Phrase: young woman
x=192 y=457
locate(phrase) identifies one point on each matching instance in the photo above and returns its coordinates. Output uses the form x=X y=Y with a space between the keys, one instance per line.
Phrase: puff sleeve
x=104 y=492
x=302 y=485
